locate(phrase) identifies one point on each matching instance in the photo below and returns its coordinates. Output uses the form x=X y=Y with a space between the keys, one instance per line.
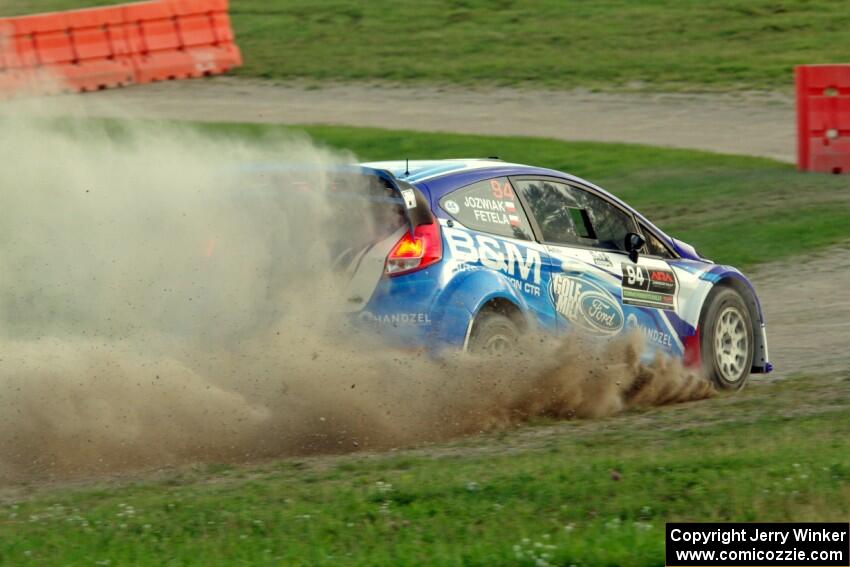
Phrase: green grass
x=735 y=209
x=773 y=453
x=655 y=44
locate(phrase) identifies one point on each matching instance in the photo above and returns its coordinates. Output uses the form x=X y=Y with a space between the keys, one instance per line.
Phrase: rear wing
x=416 y=205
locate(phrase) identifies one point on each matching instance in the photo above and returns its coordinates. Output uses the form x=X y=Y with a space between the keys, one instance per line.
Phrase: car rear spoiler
x=416 y=206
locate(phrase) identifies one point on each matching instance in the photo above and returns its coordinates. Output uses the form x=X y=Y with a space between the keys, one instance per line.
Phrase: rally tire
x=493 y=334
x=727 y=341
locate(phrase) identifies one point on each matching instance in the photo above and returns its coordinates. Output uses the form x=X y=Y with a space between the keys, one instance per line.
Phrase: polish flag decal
x=510 y=207
x=514 y=220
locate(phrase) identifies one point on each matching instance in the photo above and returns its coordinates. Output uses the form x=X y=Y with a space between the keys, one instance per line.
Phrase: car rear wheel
x=727 y=339
x=493 y=334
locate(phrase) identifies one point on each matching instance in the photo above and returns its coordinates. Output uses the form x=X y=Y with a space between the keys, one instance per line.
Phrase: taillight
x=414 y=252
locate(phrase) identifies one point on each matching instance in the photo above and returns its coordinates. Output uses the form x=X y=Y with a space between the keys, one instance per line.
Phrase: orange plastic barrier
x=98 y=48
x=823 y=118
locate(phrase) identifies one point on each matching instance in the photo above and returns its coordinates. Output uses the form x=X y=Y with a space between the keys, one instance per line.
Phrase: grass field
x=776 y=452
x=656 y=44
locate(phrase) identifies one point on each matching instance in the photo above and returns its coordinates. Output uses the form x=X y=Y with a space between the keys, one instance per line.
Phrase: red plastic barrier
x=10 y=76
x=100 y=52
x=178 y=38
x=106 y=47
x=823 y=118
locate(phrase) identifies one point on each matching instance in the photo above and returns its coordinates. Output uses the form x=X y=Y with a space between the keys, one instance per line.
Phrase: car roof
x=418 y=171
x=437 y=177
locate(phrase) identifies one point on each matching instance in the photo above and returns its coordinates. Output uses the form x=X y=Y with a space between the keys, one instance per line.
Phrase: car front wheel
x=727 y=339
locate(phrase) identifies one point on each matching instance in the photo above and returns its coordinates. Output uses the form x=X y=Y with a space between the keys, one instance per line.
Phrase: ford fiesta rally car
x=483 y=250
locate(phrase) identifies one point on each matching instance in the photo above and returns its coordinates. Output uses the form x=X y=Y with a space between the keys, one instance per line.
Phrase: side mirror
x=634 y=242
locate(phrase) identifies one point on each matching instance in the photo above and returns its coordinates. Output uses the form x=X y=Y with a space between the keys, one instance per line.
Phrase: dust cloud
x=164 y=301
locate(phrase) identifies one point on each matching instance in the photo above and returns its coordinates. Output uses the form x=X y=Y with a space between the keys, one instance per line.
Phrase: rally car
x=482 y=251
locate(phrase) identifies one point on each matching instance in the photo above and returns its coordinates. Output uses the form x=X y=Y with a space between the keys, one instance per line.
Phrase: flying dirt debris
x=163 y=302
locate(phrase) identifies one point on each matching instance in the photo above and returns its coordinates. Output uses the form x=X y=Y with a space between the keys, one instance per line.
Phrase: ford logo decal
x=601 y=313
x=586 y=304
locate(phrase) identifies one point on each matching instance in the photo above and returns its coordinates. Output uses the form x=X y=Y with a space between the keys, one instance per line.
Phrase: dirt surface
x=807 y=306
x=808 y=396
x=751 y=124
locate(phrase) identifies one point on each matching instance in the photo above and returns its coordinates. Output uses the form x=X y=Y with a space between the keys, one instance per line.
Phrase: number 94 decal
x=649 y=287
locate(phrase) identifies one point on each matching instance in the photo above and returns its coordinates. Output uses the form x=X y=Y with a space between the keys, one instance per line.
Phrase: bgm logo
x=586 y=305
x=496 y=254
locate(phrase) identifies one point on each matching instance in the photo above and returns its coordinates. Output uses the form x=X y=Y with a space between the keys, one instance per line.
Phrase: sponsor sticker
x=396 y=319
x=409 y=198
x=586 y=305
x=451 y=207
x=518 y=262
x=653 y=336
x=601 y=259
x=649 y=287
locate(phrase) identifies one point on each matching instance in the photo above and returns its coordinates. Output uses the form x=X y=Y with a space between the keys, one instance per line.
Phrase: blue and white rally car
x=483 y=251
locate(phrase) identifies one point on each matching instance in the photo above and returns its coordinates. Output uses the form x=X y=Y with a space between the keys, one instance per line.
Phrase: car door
x=595 y=287
x=489 y=227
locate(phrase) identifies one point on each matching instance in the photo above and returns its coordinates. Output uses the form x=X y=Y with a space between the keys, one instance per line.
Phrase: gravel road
x=750 y=124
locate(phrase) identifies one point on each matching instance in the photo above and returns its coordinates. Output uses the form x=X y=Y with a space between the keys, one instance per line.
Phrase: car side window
x=654 y=246
x=489 y=206
x=569 y=215
x=551 y=205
